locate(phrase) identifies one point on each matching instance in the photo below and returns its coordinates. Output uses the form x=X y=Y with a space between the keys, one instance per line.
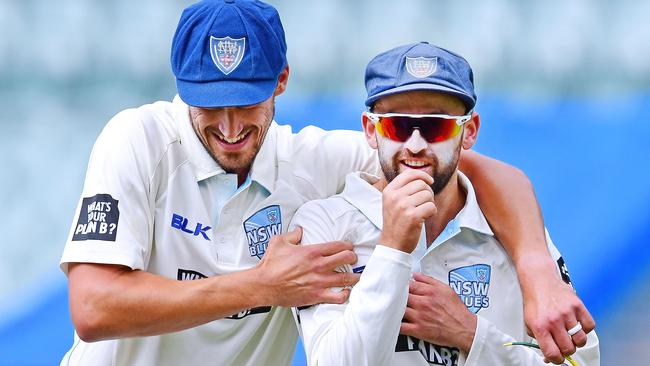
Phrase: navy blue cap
x=420 y=66
x=228 y=53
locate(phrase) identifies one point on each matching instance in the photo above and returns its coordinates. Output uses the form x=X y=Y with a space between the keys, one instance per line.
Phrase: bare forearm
x=113 y=302
x=110 y=301
x=506 y=196
x=551 y=307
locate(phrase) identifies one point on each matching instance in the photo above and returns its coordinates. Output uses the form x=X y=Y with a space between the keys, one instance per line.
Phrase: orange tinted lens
x=432 y=129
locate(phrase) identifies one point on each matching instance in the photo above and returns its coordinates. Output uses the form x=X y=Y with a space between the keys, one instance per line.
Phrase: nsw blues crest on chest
x=472 y=283
x=260 y=227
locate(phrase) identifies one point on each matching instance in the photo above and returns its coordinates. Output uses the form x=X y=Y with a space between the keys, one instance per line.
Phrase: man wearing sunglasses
x=420 y=219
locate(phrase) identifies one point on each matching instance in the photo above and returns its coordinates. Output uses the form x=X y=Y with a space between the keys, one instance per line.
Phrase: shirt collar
x=265 y=166
x=263 y=171
x=360 y=193
x=471 y=216
x=203 y=165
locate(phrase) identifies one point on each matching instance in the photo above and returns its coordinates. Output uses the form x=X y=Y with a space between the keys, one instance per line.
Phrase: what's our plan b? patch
x=98 y=219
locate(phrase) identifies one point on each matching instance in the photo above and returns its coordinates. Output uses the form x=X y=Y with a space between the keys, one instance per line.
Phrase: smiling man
x=202 y=188
x=420 y=216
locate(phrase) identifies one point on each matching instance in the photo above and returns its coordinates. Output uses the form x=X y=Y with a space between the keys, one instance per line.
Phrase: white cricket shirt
x=155 y=200
x=466 y=255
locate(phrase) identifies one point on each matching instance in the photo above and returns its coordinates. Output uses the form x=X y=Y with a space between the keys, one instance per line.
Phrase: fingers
x=417 y=186
x=330 y=263
x=419 y=288
x=334 y=297
x=580 y=338
x=584 y=317
x=423 y=285
x=408 y=329
x=549 y=348
x=408 y=176
x=419 y=198
x=563 y=339
x=344 y=279
x=426 y=210
x=294 y=236
x=409 y=315
x=330 y=248
x=419 y=277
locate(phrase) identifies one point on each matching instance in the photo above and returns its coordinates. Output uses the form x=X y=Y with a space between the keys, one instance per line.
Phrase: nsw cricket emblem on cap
x=227 y=52
x=421 y=67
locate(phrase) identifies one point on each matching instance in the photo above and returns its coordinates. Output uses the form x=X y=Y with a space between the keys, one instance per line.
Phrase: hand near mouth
x=407 y=202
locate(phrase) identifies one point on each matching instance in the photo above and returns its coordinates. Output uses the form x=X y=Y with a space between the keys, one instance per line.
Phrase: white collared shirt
x=466 y=255
x=155 y=200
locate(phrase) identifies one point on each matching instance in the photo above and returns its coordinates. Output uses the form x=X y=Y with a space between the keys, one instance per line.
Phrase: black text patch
x=98 y=218
x=564 y=271
x=189 y=275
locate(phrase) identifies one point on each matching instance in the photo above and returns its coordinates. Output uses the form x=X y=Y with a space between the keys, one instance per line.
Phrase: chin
x=231 y=163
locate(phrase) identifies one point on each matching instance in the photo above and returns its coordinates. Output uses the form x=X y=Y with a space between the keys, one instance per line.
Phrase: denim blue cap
x=420 y=66
x=228 y=53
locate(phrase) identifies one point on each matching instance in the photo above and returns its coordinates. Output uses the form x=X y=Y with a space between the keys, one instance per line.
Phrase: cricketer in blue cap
x=229 y=59
x=421 y=100
x=228 y=53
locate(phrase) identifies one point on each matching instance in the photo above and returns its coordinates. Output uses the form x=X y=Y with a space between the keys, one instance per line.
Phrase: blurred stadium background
x=563 y=91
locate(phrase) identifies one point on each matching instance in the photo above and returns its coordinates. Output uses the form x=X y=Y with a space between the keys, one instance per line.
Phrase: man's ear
x=471 y=131
x=282 y=81
x=369 y=131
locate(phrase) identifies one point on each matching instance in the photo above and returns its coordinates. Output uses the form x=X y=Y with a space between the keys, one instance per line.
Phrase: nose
x=416 y=142
x=229 y=124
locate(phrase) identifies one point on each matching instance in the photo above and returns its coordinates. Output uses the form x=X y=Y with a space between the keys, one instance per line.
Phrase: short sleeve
x=559 y=260
x=327 y=157
x=113 y=220
x=316 y=223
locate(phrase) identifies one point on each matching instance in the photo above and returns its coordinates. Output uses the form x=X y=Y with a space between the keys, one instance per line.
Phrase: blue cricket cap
x=228 y=53
x=420 y=66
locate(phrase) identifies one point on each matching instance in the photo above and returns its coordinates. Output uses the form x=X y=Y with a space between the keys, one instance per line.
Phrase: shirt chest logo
x=472 y=283
x=260 y=227
x=183 y=224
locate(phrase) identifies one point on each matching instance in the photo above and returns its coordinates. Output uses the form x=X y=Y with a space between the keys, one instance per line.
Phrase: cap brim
x=466 y=99
x=225 y=93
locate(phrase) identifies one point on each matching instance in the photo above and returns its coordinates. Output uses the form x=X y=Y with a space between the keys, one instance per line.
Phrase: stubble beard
x=441 y=174
x=233 y=162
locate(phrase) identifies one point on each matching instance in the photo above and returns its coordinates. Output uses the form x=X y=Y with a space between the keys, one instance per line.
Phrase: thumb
x=294 y=237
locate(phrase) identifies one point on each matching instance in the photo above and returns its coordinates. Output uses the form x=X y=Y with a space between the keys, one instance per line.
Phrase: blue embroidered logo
x=179 y=222
x=472 y=283
x=421 y=67
x=227 y=52
x=260 y=227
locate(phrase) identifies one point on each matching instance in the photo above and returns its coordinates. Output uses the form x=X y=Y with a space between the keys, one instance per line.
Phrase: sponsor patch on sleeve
x=564 y=271
x=98 y=219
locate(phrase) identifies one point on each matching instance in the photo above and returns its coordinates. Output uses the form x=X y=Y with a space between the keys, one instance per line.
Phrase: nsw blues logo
x=260 y=227
x=472 y=283
x=227 y=52
x=421 y=67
